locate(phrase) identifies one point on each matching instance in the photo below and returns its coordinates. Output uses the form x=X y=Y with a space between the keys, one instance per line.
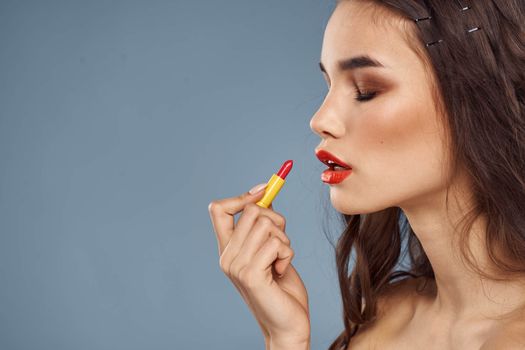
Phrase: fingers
x=274 y=248
x=258 y=271
x=222 y=215
x=263 y=229
x=246 y=221
x=240 y=242
x=251 y=215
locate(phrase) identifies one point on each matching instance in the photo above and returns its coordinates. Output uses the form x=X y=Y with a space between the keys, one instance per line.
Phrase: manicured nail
x=257 y=188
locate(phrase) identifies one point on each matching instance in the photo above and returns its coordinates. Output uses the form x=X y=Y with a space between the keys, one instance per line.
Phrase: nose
x=326 y=123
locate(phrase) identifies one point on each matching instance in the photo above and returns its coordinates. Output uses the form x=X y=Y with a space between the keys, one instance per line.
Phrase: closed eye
x=365 y=95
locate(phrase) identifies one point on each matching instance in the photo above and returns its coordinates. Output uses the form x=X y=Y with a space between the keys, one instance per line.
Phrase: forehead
x=360 y=27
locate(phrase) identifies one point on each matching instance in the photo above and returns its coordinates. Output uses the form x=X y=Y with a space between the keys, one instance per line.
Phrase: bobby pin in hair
x=462 y=9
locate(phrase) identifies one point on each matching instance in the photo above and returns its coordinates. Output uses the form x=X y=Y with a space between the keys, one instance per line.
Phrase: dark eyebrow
x=354 y=63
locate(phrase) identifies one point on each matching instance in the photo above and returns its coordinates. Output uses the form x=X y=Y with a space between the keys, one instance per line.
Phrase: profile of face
x=382 y=120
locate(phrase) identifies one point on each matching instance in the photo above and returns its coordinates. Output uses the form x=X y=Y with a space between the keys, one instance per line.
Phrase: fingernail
x=257 y=188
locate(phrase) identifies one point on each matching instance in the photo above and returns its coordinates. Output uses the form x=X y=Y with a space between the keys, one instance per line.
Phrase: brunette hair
x=478 y=82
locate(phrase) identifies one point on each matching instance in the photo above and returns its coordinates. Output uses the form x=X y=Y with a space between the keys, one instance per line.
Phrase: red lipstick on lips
x=333 y=175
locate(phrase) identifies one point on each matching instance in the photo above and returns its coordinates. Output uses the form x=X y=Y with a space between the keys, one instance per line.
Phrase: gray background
x=119 y=122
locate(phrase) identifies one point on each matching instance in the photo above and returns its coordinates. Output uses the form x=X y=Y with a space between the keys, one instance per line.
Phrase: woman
x=430 y=116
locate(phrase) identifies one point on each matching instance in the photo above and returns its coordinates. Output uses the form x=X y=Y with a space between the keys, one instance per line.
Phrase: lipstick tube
x=274 y=184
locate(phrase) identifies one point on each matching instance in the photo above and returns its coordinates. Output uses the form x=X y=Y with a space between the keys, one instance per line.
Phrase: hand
x=252 y=254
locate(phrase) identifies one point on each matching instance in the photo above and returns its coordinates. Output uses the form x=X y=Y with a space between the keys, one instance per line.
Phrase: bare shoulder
x=510 y=336
x=395 y=309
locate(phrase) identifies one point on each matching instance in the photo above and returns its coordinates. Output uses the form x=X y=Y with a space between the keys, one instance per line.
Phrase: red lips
x=325 y=156
x=331 y=175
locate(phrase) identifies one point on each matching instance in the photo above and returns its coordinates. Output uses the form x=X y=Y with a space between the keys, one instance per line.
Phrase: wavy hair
x=479 y=88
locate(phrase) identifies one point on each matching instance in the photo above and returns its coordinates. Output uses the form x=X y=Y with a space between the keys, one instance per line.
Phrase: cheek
x=389 y=134
x=398 y=149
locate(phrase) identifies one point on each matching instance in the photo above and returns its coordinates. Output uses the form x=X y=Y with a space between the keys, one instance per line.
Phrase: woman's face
x=393 y=140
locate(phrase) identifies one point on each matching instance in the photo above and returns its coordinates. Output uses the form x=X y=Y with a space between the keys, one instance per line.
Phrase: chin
x=348 y=205
x=343 y=204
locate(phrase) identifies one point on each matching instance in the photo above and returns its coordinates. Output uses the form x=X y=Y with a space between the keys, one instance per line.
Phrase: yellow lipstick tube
x=272 y=189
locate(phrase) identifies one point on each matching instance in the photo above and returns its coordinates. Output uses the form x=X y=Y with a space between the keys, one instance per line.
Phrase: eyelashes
x=365 y=95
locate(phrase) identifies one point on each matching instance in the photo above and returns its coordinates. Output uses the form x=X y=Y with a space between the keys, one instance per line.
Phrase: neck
x=460 y=292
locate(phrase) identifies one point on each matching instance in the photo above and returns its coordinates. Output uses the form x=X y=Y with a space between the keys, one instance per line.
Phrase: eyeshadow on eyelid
x=364 y=79
x=373 y=80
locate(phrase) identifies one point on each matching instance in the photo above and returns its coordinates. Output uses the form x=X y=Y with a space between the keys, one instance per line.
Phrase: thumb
x=257 y=189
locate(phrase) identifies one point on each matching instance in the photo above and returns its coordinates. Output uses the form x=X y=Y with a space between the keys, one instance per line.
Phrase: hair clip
x=462 y=8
